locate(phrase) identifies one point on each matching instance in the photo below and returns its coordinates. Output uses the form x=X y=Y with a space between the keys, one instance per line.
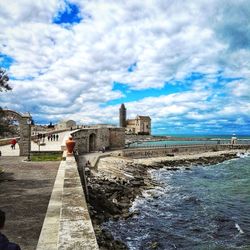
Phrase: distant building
x=123 y=115
x=66 y=124
x=51 y=125
x=95 y=138
x=141 y=125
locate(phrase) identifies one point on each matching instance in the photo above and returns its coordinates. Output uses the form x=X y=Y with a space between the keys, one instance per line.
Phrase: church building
x=141 y=125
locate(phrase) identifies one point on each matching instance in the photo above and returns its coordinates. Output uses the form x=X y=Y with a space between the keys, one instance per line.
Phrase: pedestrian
x=48 y=137
x=54 y=137
x=57 y=137
x=4 y=242
x=13 y=144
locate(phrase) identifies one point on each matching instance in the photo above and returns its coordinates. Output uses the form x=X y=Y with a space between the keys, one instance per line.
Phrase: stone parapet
x=173 y=150
x=67 y=224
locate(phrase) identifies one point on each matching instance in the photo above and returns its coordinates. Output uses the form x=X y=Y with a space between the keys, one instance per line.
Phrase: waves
x=203 y=208
x=244 y=155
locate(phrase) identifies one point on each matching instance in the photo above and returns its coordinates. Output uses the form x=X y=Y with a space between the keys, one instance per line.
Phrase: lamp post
x=38 y=143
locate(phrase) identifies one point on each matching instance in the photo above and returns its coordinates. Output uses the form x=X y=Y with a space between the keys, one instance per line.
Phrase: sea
x=202 y=208
x=193 y=140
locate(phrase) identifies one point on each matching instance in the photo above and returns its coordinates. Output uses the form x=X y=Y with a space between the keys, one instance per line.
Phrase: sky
x=185 y=63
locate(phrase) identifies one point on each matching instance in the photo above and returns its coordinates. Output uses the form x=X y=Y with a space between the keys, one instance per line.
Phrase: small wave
x=239 y=228
x=192 y=199
x=136 y=204
x=243 y=155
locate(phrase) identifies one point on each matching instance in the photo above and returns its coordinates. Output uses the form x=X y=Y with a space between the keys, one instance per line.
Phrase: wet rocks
x=111 y=198
x=201 y=161
x=111 y=194
x=154 y=245
x=107 y=241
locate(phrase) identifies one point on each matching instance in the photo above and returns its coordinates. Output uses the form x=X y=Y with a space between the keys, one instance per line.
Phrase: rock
x=123 y=204
x=172 y=169
x=170 y=155
x=155 y=196
x=137 y=183
x=107 y=234
x=119 y=245
x=154 y=245
x=127 y=215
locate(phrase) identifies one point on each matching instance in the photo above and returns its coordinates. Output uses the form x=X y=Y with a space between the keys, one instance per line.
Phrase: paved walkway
x=25 y=192
x=49 y=145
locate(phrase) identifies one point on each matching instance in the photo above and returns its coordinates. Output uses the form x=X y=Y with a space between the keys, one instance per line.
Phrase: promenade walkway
x=49 y=145
x=25 y=193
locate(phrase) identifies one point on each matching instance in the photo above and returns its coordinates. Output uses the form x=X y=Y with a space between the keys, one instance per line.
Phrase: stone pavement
x=25 y=190
x=49 y=145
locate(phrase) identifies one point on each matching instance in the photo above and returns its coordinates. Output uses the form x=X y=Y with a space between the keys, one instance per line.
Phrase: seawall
x=136 y=153
x=67 y=224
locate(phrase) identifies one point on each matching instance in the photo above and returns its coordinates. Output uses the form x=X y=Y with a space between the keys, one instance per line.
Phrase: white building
x=66 y=124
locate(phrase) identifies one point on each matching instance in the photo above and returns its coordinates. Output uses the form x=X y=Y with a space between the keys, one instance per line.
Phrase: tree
x=4 y=86
x=5 y=124
x=4 y=81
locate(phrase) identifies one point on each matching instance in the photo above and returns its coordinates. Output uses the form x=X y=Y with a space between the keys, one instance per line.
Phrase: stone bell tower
x=123 y=116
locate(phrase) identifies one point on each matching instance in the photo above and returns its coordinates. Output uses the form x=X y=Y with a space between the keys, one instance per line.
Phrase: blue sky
x=81 y=59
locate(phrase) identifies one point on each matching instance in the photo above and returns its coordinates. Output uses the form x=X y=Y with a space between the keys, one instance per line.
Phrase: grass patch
x=47 y=157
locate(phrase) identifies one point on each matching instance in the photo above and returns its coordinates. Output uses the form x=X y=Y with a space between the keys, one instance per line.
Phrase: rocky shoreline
x=111 y=197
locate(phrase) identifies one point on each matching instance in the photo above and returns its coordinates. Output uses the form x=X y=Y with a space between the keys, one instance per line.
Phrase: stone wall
x=4 y=142
x=90 y=139
x=67 y=224
x=81 y=138
x=160 y=152
x=102 y=139
x=117 y=138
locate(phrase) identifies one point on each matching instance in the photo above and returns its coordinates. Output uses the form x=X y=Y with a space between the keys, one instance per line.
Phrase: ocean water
x=202 y=208
x=206 y=139
x=208 y=136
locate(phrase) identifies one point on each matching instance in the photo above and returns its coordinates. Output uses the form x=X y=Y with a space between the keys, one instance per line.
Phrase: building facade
x=67 y=124
x=141 y=125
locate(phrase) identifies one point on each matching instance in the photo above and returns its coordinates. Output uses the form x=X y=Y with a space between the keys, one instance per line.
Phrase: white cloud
x=71 y=71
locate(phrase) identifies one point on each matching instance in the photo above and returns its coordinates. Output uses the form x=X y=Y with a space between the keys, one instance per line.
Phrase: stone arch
x=92 y=142
x=24 y=121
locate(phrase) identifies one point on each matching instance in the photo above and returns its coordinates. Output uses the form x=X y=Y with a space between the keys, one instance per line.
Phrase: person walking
x=57 y=137
x=5 y=244
x=13 y=144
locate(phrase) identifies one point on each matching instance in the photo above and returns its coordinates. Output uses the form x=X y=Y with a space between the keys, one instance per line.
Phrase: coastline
x=112 y=193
